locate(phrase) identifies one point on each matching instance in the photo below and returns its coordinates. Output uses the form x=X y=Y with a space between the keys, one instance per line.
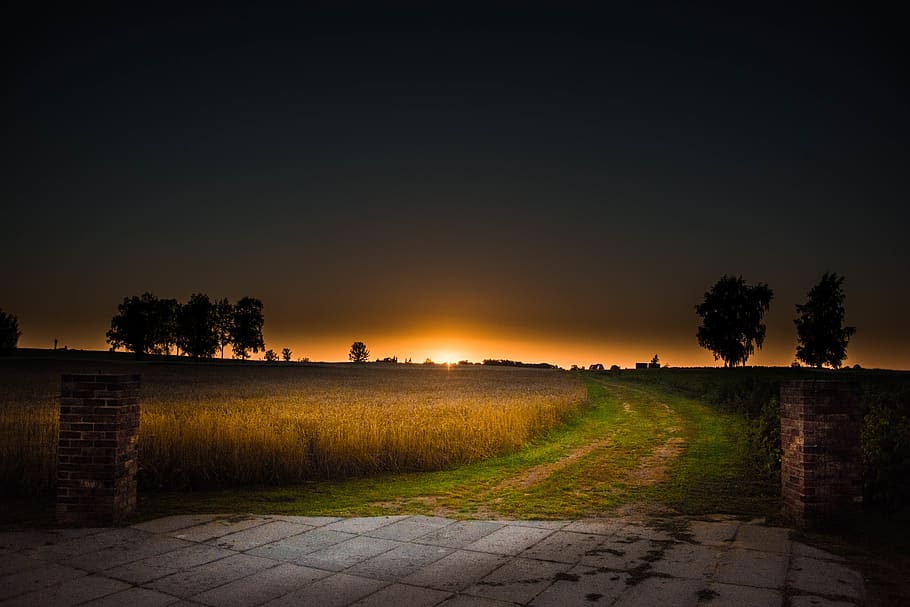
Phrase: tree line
x=732 y=326
x=199 y=328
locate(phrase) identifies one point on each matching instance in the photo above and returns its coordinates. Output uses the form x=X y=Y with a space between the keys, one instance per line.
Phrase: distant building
x=641 y=365
x=596 y=367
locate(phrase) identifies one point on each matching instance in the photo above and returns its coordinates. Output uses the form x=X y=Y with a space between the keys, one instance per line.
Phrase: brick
x=96 y=467
x=820 y=437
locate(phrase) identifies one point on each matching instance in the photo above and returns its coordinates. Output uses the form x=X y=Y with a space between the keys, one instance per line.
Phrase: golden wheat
x=233 y=424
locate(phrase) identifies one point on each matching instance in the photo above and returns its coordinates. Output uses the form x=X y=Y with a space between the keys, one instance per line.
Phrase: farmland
x=228 y=424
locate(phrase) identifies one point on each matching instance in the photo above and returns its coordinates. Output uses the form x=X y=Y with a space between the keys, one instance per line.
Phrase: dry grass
x=218 y=425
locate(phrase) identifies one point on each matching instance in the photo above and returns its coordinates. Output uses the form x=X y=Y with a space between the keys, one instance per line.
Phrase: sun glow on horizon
x=448 y=357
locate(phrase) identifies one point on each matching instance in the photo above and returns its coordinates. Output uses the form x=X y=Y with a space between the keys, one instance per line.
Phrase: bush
x=886 y=445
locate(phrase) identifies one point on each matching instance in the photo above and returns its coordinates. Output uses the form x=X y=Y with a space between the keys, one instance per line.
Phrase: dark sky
x=543 y=181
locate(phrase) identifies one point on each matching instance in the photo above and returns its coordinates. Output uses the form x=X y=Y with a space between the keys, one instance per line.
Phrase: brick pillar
x=97 y=458
x=820 y=435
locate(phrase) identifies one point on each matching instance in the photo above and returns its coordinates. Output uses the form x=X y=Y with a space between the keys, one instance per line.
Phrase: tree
x=135 y=325
x=246 y=329
x=224 y=320
x=196 y=331
x=164 y=318
x=271 y=356
x=822 y=338
x=359 y=352
x=732 y=319
x=9 y=331
x=286 y=354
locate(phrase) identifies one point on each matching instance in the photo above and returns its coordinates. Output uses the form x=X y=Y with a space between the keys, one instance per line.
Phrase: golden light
x=447 y=357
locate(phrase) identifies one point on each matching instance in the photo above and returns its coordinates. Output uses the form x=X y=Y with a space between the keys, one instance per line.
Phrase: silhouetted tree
x=271 y=356
x=224 y=320
x=732 y=319
x=655 y=362
x=9 y=331
x=164 y=326
x=822 y=338
x=286 y=354
x=359 y=352
x=246 y=330
x=135 y=325
x=196 y=331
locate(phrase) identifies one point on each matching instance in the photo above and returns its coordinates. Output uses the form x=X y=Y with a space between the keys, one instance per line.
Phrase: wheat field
x=223 y=425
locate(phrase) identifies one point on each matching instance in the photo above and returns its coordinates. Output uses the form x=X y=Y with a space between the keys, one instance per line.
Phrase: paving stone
x=126 y=552
x=457 y=571
x=463 y=600
x=714 y=533
x=336 y=590
x=11 y=562
x=294 y=548
x=134 y=597
x=583 y=586
x=204 y=577
x=406 y=596
x=519 y=580
x=552 y=525
x=688 y=561
x=814 y=553
x=312 y=521
x=399 y=562
x=173 y=523
x=460 y=534
x=814 y=576
x=766 y=539
x=71 y=592
x=662 y=591
x=161 y=565
x=218 y=528
x=20 y=540
x=596 y=526
x=363 y=524
x=261 y=534
x=36 y=578
x=645 y=532
x=752 y=568
x=261 y=586
x=817 y=601
x=619 y=553
x=729 y=595
x=410 y=528
x=348 y=553
x=511 y=539
x=75 y=547
x=564 y=547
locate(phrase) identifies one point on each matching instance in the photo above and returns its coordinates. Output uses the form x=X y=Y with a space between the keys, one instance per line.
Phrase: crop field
x=228 y=425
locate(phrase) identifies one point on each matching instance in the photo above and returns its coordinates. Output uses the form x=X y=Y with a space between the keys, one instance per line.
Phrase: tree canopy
x=9 y=331
x=359 y=352
x=198 y=336
x=148 y=325
x=136 y=327
x=821 y=337
x=246 y=330
x=732 y=319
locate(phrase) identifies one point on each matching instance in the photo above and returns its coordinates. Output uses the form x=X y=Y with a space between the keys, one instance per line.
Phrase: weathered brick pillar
x=820 y=434
x=97 y=458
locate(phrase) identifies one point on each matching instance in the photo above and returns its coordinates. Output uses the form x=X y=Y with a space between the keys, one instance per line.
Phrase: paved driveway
x=412 y=561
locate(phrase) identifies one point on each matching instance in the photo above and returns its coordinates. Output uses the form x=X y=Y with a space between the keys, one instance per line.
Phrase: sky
x=555 y=182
